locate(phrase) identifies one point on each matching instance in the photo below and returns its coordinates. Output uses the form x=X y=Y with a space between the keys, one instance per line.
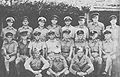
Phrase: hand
x=81 y=73
x=7 y=57
x=40 y=71
x=68 y=58
x=36 y=72
x=58 y=74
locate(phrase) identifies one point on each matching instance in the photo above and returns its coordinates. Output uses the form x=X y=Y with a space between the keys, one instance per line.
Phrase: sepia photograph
x=59 y=38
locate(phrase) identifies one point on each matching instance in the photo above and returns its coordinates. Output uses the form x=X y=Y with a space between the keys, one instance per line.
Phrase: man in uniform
x=23 y=52
x=68 y=25
x=41 y=28
x=37 y=44
x=35 y=65
x=53 y=45
x=95 y=52
x=9 y=53
x=96 y=25
x=81 y=64
x=82 y=26
x=55 y=26
x=25 y=27
x=108 y=47
x=58 y=65
x=67 y=45
x=80 y=41
x=9 y=28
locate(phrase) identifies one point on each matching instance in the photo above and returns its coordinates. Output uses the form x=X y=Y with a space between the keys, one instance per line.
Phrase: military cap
x=10 y=19
x=107 y=32
x=66 y=31
x=37 y=33
x=67 y=18
x=51 y=32
x=80 y=32
x=42 y=19
x=23 y=33
x=54 y=17
x=94 y=15
x=81 y=17
x=25 y=18
x=9 y=34
x=113 y=17
x=93 y=32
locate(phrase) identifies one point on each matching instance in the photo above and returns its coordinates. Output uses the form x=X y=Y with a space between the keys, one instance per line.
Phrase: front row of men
x=57 y=58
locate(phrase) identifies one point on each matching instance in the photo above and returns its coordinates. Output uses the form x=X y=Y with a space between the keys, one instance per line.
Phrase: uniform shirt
x=114 y=30
x=43 y=32
x=58 y=63
x=10 y=47
x=25 y=28
x=98 y=26
x=108 y=46
x=81 y=43
x=9 y=29
x=66 y=46
x=23 y=48
x=84 y=28
x=83 y=64
x=71 y=28
x=53 y=46
x=57 y=30
x=95 y=45
x=36 y=64
x=36 y=46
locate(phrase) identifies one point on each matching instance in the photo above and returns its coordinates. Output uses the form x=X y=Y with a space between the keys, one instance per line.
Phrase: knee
x=66 y=72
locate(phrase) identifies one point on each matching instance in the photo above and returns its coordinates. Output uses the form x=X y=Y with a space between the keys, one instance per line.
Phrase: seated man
x=23 y=52
x=35 y=65
x=81 y=65
x=109 y=48
x=10 y=51
x=58 y=65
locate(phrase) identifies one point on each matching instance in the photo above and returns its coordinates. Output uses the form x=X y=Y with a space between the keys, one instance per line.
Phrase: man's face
x=94 y=36
x=37 y=37
x=24 y=37
x=68 y=22
x=10 y=23
x=80 y=53
x=66 y=35
x=81 y=36
x=54 y=21
x=95 y=19
x=25 y=22
x=81 y=22
x=113 y=21
x=107 y=36
x=41 y=23
x=52 y=36
x=9 y=38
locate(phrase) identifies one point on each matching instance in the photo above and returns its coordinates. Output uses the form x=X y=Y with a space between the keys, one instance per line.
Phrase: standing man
x=81 y=64
x=9 y=28
x=68 y=26
x=95 y=25
x=41 y=28
x=25 y=27
x=82 y=26
x=54 y=26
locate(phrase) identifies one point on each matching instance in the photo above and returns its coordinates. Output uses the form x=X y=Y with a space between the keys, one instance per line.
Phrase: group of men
x=59 y=51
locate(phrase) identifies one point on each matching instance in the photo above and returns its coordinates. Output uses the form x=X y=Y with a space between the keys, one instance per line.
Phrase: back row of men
x=62 y=50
